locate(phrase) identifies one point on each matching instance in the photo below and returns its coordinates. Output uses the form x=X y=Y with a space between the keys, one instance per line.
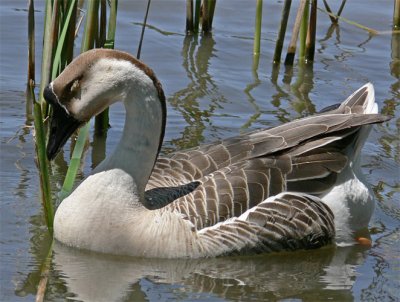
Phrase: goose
x=294 y=186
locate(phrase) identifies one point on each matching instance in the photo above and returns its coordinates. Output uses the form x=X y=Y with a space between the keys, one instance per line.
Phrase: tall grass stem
x=205 y=14
x=396 y=14
x=31 y=57
x=341 y=7
x=331 y=15
x=143 y=29
x=282 y=31
x=46 y=52
x=61 y=41
x=91 y=25
x=303 y=32
x=295 y=33
x=257 y=30
x=40 y=144
x=102 y=120
x=197 y=16
x=211 y=9
x=311 y=33
x=189 y=16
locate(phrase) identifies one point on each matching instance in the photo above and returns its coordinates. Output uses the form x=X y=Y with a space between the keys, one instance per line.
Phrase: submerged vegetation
x=62 y=21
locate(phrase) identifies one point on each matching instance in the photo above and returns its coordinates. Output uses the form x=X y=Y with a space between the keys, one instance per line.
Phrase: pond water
x=213 y=92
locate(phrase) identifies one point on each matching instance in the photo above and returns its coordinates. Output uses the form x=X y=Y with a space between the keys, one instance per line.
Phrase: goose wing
x=288 y=221
x=212 y=183
x=206 y=159
x=232 y=176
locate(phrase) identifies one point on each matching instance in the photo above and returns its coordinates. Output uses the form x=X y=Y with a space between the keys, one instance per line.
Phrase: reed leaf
x=257 y=30
x=61 y=40
x=74 y=162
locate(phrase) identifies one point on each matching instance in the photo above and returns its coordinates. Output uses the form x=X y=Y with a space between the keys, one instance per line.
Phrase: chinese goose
x=285 y=188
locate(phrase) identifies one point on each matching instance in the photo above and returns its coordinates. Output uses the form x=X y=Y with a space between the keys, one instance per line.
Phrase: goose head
x=89 y=84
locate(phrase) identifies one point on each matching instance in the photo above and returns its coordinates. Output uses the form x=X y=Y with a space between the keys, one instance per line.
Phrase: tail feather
x=362 y=101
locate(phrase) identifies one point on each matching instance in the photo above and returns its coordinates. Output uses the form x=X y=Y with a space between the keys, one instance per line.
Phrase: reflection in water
x=187 y=101
x=249 y=88
x=304 y=274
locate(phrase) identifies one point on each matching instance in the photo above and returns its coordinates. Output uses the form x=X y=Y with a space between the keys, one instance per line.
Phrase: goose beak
x=62 y=124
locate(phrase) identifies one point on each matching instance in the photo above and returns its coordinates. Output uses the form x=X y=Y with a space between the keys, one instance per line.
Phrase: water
x=213 y=92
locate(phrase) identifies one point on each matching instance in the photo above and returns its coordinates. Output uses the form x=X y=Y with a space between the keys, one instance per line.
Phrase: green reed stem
x=40 y=144
x=102 y=120
x=341 y=8
x=68 y=49
x=369 y=30
x=102 y=35
x=330 y=13
x=311 y=33
x=47 y=51
x=197 y=16
x=49 y=42
x=257 y=30
x=396 y=14
x=295 y=33
x=189 y=16
x=205 y=24
x=31 y=57
x=211 y=9
x=112 y=24
x=44 y=275
x=91 y=25
x=282 y=31
x=303 y=32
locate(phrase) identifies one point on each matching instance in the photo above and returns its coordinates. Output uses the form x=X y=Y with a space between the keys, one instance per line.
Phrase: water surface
x=213 y=92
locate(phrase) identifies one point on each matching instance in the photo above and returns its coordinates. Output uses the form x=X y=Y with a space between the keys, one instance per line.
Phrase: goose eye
x=75 y=86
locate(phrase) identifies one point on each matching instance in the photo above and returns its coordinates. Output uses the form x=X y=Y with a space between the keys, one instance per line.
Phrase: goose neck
x=138 y=148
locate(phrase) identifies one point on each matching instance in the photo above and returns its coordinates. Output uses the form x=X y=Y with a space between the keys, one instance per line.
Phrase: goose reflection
x=97 y=277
